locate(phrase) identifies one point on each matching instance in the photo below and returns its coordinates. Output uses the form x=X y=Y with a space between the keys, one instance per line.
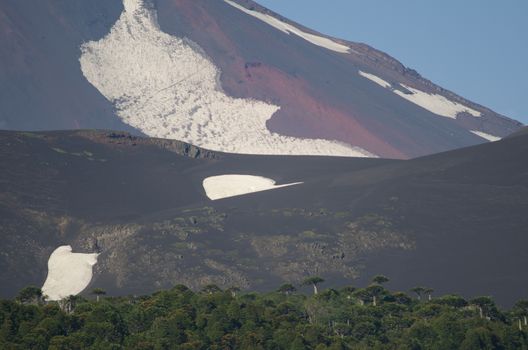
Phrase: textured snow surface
x=488 y=137
x=288 y=28
x=224 y=186
x=68 y=273
x=167 y=87
x=375 y=79
x=435 y=103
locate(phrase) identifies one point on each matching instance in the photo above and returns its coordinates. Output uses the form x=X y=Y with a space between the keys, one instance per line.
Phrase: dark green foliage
x=98 y=292
x=215 y=319
x=313 y=281
x=380 y=279
x=287 y=288
x=30 y=295
x=479 y=339
x=418 y=291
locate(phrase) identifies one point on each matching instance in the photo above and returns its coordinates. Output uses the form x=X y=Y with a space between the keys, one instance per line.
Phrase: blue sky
x=476 y=48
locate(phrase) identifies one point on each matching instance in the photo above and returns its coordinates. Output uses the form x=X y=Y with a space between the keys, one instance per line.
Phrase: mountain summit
x=226 y=75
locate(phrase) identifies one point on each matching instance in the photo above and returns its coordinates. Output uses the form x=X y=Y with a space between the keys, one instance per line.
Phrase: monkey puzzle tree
x=98 y=292
x=485 y=305
x=287 y=289
x=402 y=298
x=211 y=288
x=521 y=309
x=454 y=301
x=30 y=295
x=379 y=279
x=233 y=290
x=429 y=293
x=374 y=291
x=418 y=291
x=348 y=291
x=313 y=281
x=69 y=303
x=362 y=295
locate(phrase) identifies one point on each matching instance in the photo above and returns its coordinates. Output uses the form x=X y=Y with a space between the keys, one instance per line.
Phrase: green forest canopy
x=179 y=318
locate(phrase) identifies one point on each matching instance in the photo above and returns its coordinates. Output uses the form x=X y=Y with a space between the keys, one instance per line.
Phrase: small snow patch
x=225 y=186
x=288 y=28
x=488 y=137
x=68 y=273
x=375 y=79
x=435 y=103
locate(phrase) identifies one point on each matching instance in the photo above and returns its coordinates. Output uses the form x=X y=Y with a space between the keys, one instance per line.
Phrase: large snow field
x=167 y=87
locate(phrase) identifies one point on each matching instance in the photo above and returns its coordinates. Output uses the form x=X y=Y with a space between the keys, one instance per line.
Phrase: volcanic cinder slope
x=454 y=221
x=226 y=75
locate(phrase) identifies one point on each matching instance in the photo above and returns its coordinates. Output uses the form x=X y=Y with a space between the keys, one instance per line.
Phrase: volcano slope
x=226 y=75
x=455 y=221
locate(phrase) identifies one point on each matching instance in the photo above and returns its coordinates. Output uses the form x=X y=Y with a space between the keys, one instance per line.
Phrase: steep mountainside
x=225 y=75
x=453 y=221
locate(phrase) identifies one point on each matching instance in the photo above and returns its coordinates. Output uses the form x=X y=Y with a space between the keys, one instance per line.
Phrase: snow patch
x=132 y=5
x=225 y=186
x=68 y=273
x=375 y=79
x=435 y=103
x=288 y=28
x=488 y=137
x=167 y=87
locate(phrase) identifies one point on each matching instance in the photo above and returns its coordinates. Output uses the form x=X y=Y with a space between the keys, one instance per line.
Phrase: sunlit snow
x=288 y=28
x=488 y=137
x=435 y=103
x=224 y=186
x=167 y=87
x=375 y=79
x=68 y=273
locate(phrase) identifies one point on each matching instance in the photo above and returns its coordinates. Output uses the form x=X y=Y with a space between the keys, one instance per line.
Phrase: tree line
x=347 y=318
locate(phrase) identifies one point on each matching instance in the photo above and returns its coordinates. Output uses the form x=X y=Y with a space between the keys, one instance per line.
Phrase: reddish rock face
x=320 y=92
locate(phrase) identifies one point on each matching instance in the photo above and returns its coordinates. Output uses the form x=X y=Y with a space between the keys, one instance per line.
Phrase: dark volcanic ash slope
x=454 y=221
x=321 y=91
x=41 y=84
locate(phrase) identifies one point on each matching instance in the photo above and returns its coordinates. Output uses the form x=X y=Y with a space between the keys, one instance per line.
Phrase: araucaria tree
x=98 y=292
x=287 y=289
x=211 y=289
x=379 y=279
x=418 y=291
x=30 y=295
x=429 y=293
x=69 y=303
x=313 y=281
x=374 y=291
x=233 y=290
x=521 y=309
x=485 y=305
